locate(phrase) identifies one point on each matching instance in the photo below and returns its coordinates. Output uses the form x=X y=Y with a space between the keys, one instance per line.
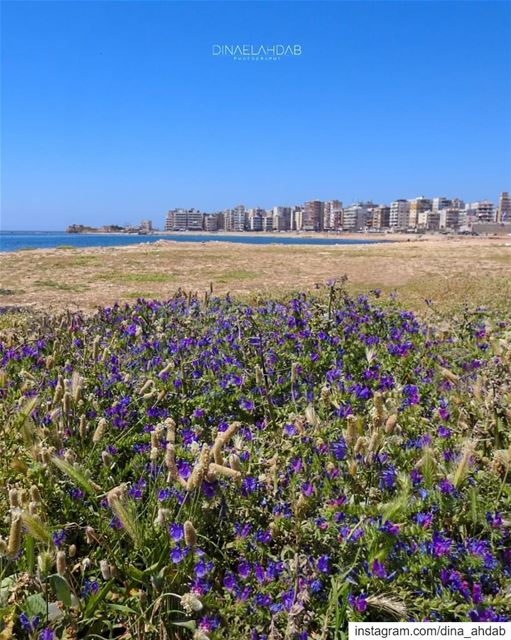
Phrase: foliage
x=216 y=469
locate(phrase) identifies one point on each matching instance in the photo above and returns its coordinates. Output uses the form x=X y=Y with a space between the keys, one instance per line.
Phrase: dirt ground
x=449 y=272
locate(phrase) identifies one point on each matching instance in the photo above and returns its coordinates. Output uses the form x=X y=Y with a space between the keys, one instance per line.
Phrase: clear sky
x=117 y=111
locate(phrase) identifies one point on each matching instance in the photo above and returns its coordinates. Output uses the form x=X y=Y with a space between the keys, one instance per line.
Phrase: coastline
x=221 y=237
x=323 y=235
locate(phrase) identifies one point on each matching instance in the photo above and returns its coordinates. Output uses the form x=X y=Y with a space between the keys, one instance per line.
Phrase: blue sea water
x=16 y=240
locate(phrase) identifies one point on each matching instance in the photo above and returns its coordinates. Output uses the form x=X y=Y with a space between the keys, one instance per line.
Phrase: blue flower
x=244 y=569
x=378 y=569
x=176 y=531
x=29 y=625
x=359 y=603
x=248 y=486
x=339 y=449
x=307 y=489
x=323 y=564
x=58 y=537
x=177 y=554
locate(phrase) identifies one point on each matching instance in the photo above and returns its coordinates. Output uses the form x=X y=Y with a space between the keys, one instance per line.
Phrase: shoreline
x=190 y=239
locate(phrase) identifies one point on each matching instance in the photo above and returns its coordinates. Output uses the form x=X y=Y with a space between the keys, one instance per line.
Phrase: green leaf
x=136 y=573
x=62 y=589
x=5 y=589
x=187 y=624
x=35 y=605
x=30 y=553
x=122 y=608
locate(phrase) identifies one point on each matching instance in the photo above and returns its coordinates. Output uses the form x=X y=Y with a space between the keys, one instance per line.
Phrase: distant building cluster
x=416 y=215
x=144 y=228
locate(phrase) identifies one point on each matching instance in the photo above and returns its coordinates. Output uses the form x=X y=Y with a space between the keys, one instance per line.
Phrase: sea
x=18 y=240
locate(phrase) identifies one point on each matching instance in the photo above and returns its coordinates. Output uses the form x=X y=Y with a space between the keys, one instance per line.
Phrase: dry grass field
x=449 y=272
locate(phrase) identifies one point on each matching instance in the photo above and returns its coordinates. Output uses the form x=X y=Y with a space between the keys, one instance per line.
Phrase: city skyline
x=417 y=214
x=212 y=212
x=111 y=110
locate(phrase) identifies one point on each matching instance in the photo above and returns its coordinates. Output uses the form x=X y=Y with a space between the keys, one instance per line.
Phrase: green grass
x=148 y=295
x=138 y=277
x=237 y=274
x=51 y=284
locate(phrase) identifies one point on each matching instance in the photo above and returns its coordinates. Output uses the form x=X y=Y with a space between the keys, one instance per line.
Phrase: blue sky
x=117 y=111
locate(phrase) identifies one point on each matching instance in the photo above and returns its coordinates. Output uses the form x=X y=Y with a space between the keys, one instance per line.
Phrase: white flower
x=190 y=603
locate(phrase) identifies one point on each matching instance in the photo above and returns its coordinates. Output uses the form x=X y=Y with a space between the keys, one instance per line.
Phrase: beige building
x=331 y=215
x=312 y=217
x=379 y=217
x=418 y=205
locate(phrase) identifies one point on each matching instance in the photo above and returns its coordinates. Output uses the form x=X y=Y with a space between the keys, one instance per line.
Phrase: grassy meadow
x=449 y=272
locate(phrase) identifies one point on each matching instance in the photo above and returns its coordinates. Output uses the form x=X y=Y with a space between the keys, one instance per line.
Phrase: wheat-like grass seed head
x=61 y=563
x=190 y=534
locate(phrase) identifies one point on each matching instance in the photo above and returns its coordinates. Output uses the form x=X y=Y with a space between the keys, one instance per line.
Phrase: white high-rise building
x=399 y=213
x=504 y=210
x=450 y=218
x=354 y=217
x=281 y=218
x=441 y=203
x=184 y=220
x=235 y=219
x=331 y=218
x=484 y=210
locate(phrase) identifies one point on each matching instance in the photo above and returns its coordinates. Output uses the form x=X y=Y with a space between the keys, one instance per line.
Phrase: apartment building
x=281 y=217
x=235 y=219
x=449 y=218
x=418 y=205
x=379 y=217
x=484 y=211
x=210 y=222
x=332 y=215
x=440 y=203
x=399 y=214
x=504 y=210
x=184 y=220
x=312 y=217
x=354 y=217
